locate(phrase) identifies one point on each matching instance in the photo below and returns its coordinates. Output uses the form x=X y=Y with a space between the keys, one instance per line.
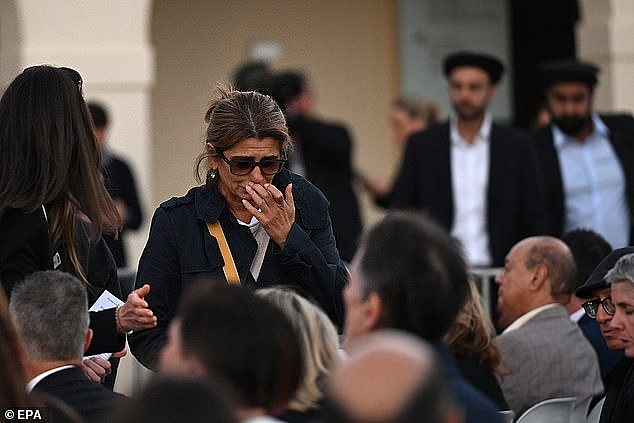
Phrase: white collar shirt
x=469 y=178
x=523 y=319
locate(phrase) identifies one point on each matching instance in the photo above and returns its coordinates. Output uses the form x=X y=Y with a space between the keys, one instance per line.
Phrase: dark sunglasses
x=243 y=165
x=592 y=307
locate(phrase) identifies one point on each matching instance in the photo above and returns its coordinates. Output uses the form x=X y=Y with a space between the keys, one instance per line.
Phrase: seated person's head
x=621 y=281
x=407 y=274
x=50 y=313
x=537 y=271
x=389 y=377
x=228 y=332
x=318 y=340
x=169 y=400
x=597 y=299
x=588 y=248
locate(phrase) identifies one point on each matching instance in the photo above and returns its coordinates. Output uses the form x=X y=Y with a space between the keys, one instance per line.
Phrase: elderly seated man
x=50 y=313
x=545 y=353
x=621 y=281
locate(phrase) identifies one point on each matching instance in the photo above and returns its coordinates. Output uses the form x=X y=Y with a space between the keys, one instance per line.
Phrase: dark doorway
x=540 y=30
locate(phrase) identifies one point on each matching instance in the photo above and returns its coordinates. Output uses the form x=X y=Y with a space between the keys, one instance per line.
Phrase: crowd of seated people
x=247 y=311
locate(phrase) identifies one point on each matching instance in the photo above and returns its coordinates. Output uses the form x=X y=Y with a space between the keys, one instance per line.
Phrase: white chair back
x=507 y=415
x=580 y=411
x=556 y=410
x=595 y=413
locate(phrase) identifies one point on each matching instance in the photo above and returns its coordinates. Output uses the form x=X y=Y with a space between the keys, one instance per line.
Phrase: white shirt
x=469 y=178
x=521 y=321
x=577 y=315
x=37 y=379
x=594 y=184
x=262 y=238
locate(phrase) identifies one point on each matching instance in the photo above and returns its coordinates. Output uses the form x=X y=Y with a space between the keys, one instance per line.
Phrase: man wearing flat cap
x=587 y=159
x=619 y=382
x=476 y=178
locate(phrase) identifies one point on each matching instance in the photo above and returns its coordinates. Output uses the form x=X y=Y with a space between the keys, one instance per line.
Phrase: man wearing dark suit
x=588 y=249
x=478 y=179
x=408 y=275
x=544 y=351
x=50 y=313
x=619 y=382
x=587 y=160
x=323 y=154
x=120 y=184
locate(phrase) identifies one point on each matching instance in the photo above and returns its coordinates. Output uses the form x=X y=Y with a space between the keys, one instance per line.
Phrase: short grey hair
x=50 y=312
x=623 y=270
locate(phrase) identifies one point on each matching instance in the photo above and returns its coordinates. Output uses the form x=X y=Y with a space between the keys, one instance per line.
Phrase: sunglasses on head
x=242 y=166
x=591 y=307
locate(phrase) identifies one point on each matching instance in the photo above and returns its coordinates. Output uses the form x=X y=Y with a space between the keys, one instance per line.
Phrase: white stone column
x=108 y=42
x=605 y=37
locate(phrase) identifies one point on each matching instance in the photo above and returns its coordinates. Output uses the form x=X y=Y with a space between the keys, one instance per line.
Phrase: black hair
x=588 y=249
x=99 y=115
x=245 y=340
x=417 y=272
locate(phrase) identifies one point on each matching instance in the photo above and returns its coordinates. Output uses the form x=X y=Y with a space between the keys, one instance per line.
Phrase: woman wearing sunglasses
x=253 y=222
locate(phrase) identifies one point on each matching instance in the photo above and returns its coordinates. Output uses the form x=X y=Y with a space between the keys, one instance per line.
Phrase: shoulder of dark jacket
x=180 y=201
x=310 y=202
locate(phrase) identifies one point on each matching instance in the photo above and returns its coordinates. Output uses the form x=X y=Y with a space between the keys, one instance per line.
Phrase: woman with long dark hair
x=54 y=206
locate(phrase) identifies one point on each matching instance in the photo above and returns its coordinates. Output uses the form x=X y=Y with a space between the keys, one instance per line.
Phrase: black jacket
x=619 y=399
x=622 y=139
x=327 y=157
x=89 y=399
x=25 y=247
x=180 y=251
x=515 y=200
x=121 y=186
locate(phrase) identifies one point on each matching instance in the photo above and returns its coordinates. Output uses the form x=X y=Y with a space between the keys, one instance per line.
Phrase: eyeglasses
x=592 y=307
x=244 y=165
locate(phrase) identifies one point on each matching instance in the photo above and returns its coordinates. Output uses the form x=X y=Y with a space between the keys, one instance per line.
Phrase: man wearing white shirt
x=50 y=313
x=544 y=351
x=587 y=159
x=476 y=178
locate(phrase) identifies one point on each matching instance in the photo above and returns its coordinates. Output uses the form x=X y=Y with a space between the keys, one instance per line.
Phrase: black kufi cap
x=491 y=65
x=568 y=70
x=597 y=279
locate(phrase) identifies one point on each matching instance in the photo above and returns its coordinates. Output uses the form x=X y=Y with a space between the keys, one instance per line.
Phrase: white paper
x=105 y=301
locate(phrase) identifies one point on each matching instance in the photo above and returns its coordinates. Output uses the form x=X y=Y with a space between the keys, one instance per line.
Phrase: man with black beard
x=478 y=179
x=587 y=159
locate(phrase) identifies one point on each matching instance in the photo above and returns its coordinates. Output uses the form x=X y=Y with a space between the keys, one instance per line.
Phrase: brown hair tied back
x=234 y=116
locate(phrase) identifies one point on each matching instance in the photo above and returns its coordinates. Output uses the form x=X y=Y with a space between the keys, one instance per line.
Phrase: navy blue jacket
x=180 y=251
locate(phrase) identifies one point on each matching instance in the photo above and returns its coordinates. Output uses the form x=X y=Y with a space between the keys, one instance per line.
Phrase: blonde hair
x=471 y=334
x=318 y=340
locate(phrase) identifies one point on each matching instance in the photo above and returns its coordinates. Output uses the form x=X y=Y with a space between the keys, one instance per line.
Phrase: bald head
x=390 y=375
x=536 y=272
x=555 y=255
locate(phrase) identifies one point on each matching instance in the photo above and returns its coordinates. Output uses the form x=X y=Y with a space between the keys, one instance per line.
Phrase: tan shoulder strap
x=231 y=273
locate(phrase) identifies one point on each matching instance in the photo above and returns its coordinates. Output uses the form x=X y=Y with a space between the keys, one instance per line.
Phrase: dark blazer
x=121 y=186
x=327 y=154
x=619 y=399
x=608 y=358
x=91 y=400
x=482 y=379
x=179 y=252
x=622 y=138
x=25 y=246
x=515 y=200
